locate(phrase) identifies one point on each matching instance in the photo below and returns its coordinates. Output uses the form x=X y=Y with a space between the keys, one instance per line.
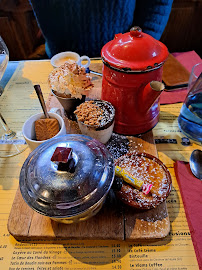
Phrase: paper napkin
x=191 y=191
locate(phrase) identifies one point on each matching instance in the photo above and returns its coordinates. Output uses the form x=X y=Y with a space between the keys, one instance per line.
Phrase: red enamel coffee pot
x=132 y=74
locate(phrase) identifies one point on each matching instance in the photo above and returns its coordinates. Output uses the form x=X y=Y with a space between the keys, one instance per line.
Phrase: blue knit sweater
x=84 y=26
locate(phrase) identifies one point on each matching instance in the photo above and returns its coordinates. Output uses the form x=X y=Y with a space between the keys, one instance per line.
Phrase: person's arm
x=152 y=16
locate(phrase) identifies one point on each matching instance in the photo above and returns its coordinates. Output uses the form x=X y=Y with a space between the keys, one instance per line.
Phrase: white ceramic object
x=60 y=58
x=28 y=129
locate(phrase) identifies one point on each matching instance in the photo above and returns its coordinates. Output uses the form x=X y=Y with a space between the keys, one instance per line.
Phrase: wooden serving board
x=115 y=221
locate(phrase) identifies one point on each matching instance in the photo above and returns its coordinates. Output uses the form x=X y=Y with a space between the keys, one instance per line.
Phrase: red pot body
x=124 y=91
x=131 y=61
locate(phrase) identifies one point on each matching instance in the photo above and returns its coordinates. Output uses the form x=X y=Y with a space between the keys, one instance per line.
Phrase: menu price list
x=93 y=255
x=76 y=255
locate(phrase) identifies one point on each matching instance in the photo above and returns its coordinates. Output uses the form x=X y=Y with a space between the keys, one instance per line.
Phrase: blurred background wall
x=184 y=29
x=20 y=31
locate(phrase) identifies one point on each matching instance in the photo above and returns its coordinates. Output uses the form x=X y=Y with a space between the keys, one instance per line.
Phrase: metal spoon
x=96 y=73
x=195 y=163
x=41 y=99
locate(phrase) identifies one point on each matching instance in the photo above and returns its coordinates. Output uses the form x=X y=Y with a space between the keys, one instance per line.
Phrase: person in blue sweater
x=84 y=26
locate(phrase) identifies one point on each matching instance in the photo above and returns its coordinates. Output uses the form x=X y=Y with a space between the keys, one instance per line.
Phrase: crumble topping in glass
x=95 y=113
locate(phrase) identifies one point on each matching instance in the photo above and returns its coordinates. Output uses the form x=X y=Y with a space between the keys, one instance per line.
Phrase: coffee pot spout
x=150 y=94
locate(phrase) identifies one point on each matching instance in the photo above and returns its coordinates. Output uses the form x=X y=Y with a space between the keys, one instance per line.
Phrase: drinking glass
x=196 y=71
x=190 y=118
x=10 y=143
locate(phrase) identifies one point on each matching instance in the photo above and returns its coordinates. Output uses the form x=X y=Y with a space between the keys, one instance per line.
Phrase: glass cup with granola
x=96 y=119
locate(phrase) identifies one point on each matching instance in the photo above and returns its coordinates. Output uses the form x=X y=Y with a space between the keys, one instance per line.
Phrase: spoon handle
x=96 y=73
x=41 y=99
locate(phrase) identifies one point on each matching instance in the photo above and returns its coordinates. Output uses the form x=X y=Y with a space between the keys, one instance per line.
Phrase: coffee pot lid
x=134 y=51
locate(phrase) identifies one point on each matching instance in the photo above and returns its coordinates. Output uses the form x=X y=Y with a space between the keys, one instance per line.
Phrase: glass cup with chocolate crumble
x=96 y=119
